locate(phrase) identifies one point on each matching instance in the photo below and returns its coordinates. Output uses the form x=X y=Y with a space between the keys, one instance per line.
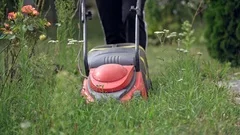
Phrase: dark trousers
x=119 y=23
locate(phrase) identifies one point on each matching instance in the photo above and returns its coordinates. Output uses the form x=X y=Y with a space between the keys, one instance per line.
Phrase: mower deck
x=112 y=73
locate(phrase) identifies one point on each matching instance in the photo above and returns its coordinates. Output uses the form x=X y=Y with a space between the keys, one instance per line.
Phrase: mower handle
x=86 y=15
x=138 y=13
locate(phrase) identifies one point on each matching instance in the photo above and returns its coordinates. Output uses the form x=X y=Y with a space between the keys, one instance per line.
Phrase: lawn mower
x=118 y=71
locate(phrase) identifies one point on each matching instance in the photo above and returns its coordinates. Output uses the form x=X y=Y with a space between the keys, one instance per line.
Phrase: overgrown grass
x=185 y=100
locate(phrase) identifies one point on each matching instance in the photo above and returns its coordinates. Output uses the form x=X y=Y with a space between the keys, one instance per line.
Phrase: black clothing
x=119 y=23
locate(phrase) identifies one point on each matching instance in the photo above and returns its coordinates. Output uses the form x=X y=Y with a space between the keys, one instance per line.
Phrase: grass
x=185 y=98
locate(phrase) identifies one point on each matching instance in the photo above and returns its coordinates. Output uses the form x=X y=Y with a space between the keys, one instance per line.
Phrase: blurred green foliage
x=2 y=9
x=7 y=6
x=223 y=30
x=170 y=14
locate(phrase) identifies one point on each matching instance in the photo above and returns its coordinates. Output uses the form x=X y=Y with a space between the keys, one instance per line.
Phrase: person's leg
x=129 y=21
x=110 y=12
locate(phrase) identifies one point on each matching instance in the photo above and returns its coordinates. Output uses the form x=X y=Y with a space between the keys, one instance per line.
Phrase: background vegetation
x=186 y=98
x=223 y=31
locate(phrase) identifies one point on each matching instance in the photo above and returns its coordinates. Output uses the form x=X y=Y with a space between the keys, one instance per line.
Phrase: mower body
x=112 y=73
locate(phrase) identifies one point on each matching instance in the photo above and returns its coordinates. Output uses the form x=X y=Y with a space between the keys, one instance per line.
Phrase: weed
x=187 y=35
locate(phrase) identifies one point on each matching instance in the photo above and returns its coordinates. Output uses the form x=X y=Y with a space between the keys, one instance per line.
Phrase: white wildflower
x=174 y=34
x=158 y=32
x=180 y=80
x=183 y=2
x=181 y=50
x=74 y=41
x=185 y=51
x=25 y=124
x=166 y=30
x=70 y=43
x=58 y=24
x=53 y=41
x=181 y=34
x=179 y=42
x=199 y=53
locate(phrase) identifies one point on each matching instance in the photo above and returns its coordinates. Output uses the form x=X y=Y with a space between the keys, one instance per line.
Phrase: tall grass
x=185 y=98
x=184 y=101
x=67 y=28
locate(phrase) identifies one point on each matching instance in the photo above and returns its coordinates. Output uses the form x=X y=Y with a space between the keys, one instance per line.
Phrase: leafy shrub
x=223 y=31
x=23 y=25
x=21 y=31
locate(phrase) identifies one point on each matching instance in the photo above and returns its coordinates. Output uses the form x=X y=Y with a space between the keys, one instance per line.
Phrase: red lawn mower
x=118 y=71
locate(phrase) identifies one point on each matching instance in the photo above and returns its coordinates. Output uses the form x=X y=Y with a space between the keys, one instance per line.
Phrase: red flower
x=29 y=9
x=12 y=16
x=35 y=12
